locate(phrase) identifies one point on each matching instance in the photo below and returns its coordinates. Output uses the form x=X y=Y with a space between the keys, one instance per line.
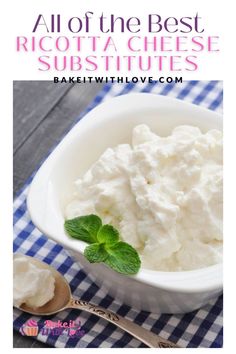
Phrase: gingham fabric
x=202 y=328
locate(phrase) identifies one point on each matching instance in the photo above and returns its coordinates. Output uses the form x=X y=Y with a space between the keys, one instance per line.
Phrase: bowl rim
x=179 y=281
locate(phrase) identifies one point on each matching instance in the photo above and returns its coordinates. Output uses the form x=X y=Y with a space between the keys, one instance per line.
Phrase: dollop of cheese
x=32 y=286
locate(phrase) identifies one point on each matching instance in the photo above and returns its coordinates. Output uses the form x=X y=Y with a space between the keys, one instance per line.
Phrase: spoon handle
x=149 y=338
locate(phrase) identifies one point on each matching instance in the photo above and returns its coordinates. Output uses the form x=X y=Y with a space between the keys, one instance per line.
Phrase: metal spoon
x=63 y=299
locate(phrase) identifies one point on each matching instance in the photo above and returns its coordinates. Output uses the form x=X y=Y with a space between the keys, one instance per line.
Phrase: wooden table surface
x=43 y=112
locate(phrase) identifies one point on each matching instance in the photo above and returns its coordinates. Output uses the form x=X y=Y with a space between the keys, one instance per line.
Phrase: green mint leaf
x=104 y=244
x=84 y=228
x=108 y=234
x=96 y=253
x=123 y=258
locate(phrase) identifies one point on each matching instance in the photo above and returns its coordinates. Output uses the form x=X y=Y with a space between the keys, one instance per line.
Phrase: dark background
x=42 y=113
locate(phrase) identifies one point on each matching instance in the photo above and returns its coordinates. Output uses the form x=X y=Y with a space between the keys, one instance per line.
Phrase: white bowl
x=107 y=125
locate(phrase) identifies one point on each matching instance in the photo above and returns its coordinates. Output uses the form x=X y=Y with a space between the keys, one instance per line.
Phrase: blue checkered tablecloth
x=201 y=328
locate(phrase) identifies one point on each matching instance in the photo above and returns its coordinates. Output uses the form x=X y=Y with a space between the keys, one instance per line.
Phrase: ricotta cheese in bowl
x=164 y=195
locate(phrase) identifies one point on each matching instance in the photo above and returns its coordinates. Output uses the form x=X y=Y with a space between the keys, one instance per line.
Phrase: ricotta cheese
x=163 y=194
x=31 y=285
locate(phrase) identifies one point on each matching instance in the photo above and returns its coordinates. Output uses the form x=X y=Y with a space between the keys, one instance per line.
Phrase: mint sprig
x=104 y=244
